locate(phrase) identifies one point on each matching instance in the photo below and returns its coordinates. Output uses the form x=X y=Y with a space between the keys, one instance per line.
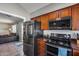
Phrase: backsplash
x=73 y=33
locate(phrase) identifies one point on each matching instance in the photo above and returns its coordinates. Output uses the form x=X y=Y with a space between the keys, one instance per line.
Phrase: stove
x=60 y=39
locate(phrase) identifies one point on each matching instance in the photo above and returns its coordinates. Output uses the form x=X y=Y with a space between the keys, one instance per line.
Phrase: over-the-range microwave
x=63 y=23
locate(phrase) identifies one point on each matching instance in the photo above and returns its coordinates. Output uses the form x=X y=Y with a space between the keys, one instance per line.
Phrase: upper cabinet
x=53 y=15
x=33 y=19
x=65 y=12
x=44 y=22
x=60 y=13
x=75 y=17
x=37 y=22
x=72 y=11
x=36 y=19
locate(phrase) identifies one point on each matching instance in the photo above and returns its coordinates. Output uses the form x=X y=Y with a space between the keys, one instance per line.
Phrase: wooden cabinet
x=75 y=17
x=65 y=12
x=44 y=22
x=44 y=19
x=33 y=19
x=75 y=52
x=72 y=11
x=60 y=13
x=41 y=47
x=53 y=15
x=36 y=19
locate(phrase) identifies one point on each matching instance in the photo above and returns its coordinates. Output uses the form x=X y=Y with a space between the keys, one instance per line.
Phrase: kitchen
x=55 y=33
x=39 y=29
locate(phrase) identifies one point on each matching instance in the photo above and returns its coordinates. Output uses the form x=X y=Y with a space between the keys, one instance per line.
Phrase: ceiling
x=4 y=18
x=31 y=7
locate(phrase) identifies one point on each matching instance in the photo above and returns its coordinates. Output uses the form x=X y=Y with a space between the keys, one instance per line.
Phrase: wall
x=73 y=33
x=4 y=28
x=50 y=8
x=14 y=9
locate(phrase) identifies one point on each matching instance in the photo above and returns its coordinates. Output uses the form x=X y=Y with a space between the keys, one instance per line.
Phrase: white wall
x=50 y=7
x=4 y=29
x=14 y=9
x=73 y=33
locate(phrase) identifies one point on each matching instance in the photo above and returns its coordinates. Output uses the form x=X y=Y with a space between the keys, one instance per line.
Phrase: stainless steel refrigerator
x=31 y=33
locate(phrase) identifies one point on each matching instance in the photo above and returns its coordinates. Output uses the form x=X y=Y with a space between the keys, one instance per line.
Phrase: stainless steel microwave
x=63 y=23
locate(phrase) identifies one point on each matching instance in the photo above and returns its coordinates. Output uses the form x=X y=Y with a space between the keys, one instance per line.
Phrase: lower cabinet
x=41 y=47
x=75 y=52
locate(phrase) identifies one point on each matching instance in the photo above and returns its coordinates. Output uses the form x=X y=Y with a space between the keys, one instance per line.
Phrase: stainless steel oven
x=58 y=41
x=53 y=50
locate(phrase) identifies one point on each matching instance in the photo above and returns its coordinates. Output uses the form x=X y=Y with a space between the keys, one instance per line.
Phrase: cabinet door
x=75 y=52
x=53 y=15
x=38 y=23
x=75 y=17
x=38 y=18
x=41 y=47
x=44 y=22
x=33 y=19
x=65 y=12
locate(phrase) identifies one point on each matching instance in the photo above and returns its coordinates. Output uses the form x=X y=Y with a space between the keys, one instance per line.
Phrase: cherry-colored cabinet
x=53 y=15
x=75 y=17
x=60 y=13
x=36 y=19
x=41 y=47
x=44 y=22
x=65 y=12
x=75 y=52
x=44 y=19
x=72 y=11
x=33 y=19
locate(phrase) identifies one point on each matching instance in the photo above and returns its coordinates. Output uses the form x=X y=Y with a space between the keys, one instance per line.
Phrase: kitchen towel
x=62 y=51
